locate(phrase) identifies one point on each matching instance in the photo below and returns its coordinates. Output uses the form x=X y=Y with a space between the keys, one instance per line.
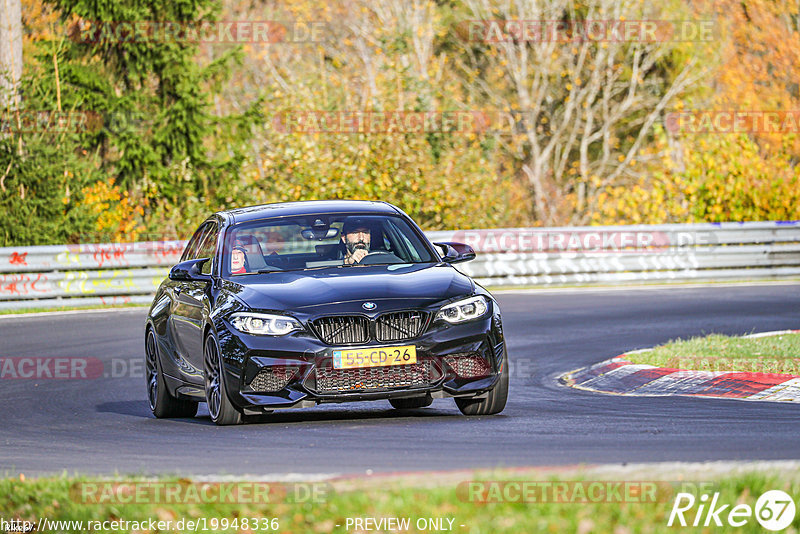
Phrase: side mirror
x=456 y=252
x=189 y=271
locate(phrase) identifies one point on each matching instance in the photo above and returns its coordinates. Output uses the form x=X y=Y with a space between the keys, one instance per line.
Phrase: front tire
x=162 y=404
x=220 y=407
x=494 y=402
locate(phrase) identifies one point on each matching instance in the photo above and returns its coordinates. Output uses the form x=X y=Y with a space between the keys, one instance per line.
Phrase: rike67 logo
x=774 y=511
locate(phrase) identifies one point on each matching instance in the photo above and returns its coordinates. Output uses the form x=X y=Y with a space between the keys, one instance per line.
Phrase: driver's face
x=357 y=238
x=237 y=260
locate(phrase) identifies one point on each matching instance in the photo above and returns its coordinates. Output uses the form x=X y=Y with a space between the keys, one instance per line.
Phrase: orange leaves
x=761 y=62
x=725 y=178
x=115 y=210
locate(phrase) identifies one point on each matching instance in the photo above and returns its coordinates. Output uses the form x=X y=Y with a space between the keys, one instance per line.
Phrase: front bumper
x=301 y=366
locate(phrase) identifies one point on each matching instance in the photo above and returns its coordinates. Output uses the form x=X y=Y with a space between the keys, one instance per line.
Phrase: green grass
x=774 y=354
x=420 y=497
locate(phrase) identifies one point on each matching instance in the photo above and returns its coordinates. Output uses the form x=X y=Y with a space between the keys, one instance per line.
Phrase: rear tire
x=162 y=404
x=494 y=402
x=412 y=403
x=220 y=407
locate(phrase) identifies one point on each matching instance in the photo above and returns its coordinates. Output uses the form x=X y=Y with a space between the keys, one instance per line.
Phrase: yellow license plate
x=374 y=357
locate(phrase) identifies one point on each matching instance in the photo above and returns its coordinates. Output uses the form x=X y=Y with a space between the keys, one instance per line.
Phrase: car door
x=188 y=302
x=173 y=289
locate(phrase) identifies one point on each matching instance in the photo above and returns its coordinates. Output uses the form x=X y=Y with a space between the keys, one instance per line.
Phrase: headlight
x=264 y=324
x=463 y=310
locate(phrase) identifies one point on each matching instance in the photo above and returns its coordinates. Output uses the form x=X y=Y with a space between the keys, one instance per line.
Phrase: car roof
x=308 y=207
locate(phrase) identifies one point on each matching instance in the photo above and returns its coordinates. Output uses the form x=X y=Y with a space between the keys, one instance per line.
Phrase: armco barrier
x=118 y=273
x=639 y=253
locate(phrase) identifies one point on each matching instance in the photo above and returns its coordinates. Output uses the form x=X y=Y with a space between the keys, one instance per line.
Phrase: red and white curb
x=622 y=377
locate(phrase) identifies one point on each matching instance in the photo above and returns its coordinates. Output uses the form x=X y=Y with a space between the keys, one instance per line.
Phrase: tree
x=727 y=176
x=373 y=56
x=581 y=110
x=157 y=154
x=718 y=178
x=42 y=165
x=10 y=52
x=162 y=139
x=760 y=67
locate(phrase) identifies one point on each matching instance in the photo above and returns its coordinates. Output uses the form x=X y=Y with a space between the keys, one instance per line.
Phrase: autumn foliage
x=736 y=176
x=580 y=132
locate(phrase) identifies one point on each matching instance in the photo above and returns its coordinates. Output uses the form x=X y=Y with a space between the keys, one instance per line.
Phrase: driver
x=356 y=237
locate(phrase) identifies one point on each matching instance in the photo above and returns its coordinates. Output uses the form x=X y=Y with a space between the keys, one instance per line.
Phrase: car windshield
x=319 y=241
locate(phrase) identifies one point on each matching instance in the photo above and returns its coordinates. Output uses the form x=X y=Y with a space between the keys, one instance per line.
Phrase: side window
x=194 y=242
x=208 y=248
x=406 y=249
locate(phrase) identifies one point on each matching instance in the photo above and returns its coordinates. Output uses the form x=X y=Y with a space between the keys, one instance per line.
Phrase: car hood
x=405 y=285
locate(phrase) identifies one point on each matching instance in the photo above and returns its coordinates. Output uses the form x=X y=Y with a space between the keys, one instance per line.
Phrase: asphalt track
x=104 y=425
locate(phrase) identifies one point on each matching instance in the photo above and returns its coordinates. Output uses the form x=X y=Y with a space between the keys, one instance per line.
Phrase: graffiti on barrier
x=18 y=259
x=87 y=282
x=109 y=254
x=68 y=258
x=22 y=284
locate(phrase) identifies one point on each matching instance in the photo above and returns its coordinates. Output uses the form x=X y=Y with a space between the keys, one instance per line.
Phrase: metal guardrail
x=84 y=275
x=120 y=273
x=637 y=253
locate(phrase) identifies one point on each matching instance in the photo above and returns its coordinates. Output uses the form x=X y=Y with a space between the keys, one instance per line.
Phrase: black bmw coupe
x=294 y=304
